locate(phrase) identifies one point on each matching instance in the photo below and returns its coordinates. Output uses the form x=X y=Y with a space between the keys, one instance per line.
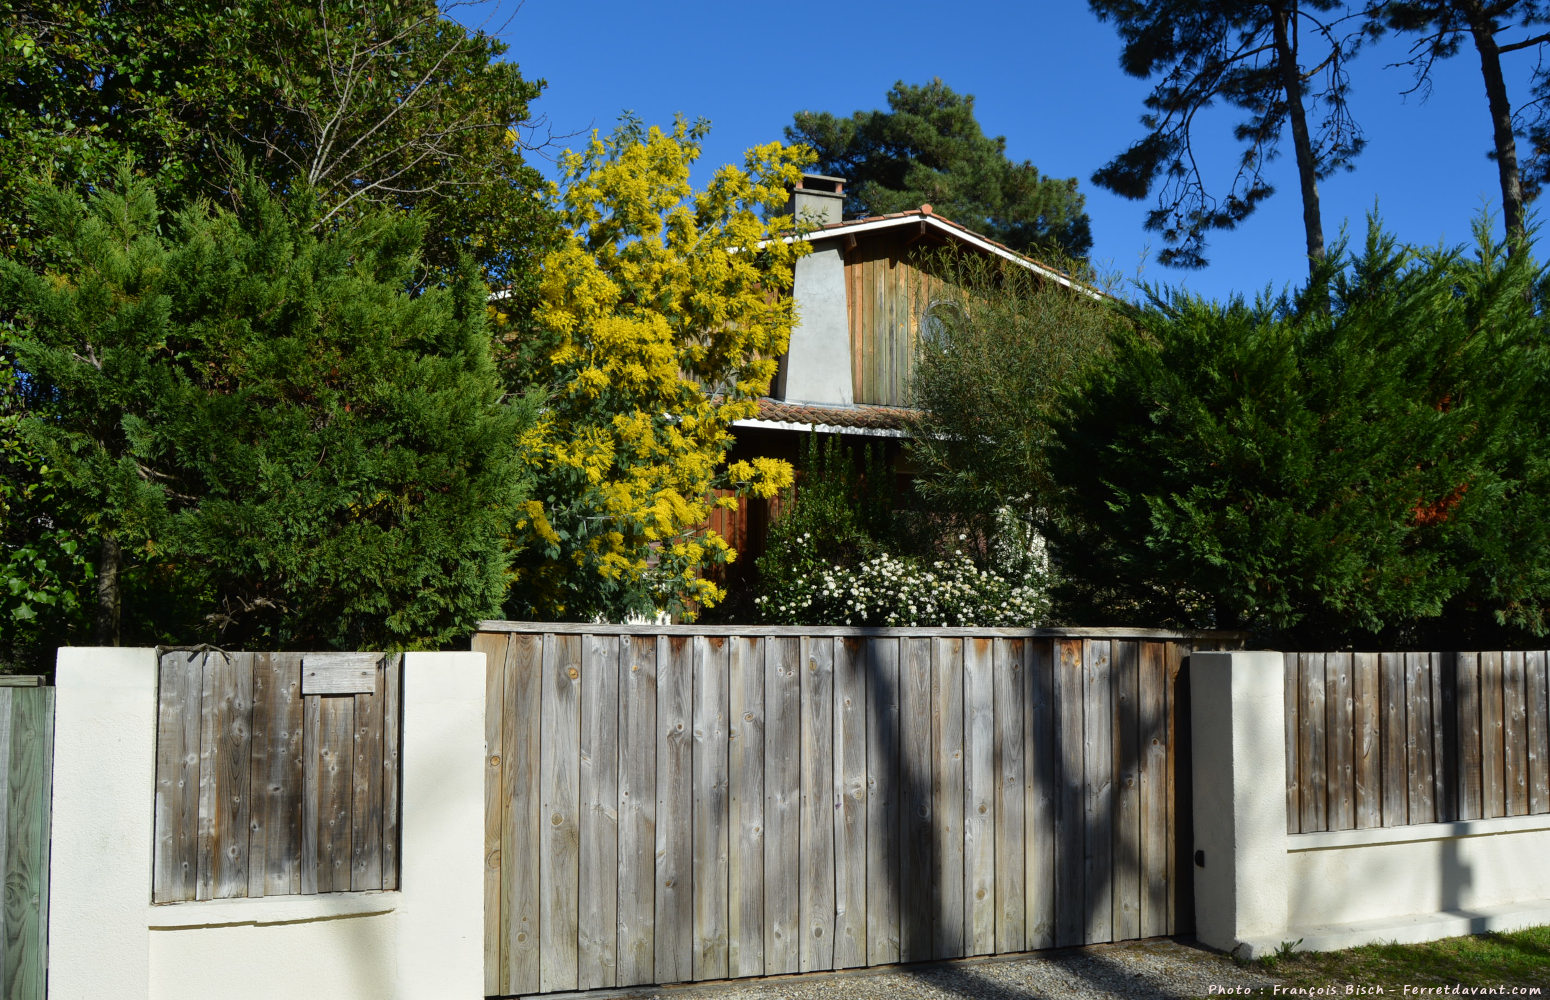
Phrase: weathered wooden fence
x=667 y=803
x=1391 y=739
x=26 y=772
x=276 y=774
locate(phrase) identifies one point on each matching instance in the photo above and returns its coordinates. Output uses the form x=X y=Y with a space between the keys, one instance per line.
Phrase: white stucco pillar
x=441 y=916
x=1237 y=718
x=104 y=785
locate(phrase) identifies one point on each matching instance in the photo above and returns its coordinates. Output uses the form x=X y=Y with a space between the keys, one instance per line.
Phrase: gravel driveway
x=1135 y=971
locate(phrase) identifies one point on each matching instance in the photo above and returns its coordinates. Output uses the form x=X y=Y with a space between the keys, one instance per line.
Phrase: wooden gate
x=668 y=803
x=26 y=780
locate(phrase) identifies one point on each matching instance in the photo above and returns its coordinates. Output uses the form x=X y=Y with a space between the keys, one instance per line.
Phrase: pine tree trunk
x=1483 y=28
x=108 y=602
x=1302 y=142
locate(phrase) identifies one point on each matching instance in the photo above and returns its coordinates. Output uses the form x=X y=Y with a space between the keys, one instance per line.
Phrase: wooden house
x=865 y=296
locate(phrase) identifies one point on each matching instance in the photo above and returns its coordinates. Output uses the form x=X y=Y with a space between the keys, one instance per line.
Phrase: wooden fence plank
x=1515 y=734
x=979 y=797
x=1445 y=736
x=224 y=766
x=335 y=754
x=1152 y=683
x=277 y=776
x=884 y=802
x=1181 y=879
x=745 y=770
x=1098 y=789
x=520 y=768
x=597 y=932
x=1010 y=657
x=1395 y=759
x=1070 y=869
x=177 y=773
x=675 y=810
x=850 y=801
x=311 y=803
x=816 y=900
x=1366 y=717
x=1470 y=796
x=1041 y=785
x=1418 y=737
x=637 y=812
x=1538 y=731
x=1311 y=751
x=493 y=646
x=392 y=718
x=947 y=792
x=917 y=875
x=1493 y=778
x=782 y=804
x=366 y=777
x=28 y=774
x=1293 y=727
x=1340 y=734
x=709 y=752
x=559 y=777
x=6 y=693
x=1126 y=877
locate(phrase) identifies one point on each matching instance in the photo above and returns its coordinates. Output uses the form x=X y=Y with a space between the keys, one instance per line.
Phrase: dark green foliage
x=1376 y=463
x=838 y=514
x=1250 y=56
x=382 y=103
x=928 y=148
x=42 y=561
x=987 y=389
x=290 y=449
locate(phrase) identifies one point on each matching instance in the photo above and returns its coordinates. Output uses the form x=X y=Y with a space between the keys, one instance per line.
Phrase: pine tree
x=927 y=148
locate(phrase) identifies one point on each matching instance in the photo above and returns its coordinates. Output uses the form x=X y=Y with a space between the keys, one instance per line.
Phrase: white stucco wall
x=107 y=940
x=817 y=368
x=1365 y=875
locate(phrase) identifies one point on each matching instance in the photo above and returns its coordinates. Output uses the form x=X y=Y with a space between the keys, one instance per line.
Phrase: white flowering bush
x=903 y=590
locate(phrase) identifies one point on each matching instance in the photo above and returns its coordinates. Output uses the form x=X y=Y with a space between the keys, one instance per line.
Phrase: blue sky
x=1044 y=75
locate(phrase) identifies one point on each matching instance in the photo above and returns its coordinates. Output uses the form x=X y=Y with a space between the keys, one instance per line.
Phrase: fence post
x=441 y=874
x=104 y=777
x=1240 y=863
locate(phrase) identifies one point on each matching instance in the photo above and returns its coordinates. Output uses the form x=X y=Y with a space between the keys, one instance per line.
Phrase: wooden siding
x=265 y=789
x=886 y=290
x=766 y=801
x=1395 y=739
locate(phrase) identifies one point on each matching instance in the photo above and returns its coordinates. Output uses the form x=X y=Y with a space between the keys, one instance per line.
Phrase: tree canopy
x=272 y=439
x=927 y=148
x=360 y=103
x=1370 y=463
x=1254 y=56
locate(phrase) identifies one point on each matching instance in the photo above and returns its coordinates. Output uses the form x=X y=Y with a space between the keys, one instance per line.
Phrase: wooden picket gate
x=671 y=803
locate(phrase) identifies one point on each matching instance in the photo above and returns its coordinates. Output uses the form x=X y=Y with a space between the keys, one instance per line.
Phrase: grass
x=1520 y=959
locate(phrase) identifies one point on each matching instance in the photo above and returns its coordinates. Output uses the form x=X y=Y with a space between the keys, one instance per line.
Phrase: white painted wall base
x=107 y=940
x=1261 y=888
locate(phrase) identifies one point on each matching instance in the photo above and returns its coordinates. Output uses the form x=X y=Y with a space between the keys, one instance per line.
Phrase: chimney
x=818 y=200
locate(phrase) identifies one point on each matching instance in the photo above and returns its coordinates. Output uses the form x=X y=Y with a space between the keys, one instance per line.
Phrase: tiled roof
x=862 y=416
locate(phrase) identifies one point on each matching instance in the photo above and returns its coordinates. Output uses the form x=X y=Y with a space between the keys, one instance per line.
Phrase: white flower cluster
x=894 y=590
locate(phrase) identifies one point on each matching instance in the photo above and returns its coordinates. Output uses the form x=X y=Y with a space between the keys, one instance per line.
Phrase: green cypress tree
x=1375 y=468
x=279 y=443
